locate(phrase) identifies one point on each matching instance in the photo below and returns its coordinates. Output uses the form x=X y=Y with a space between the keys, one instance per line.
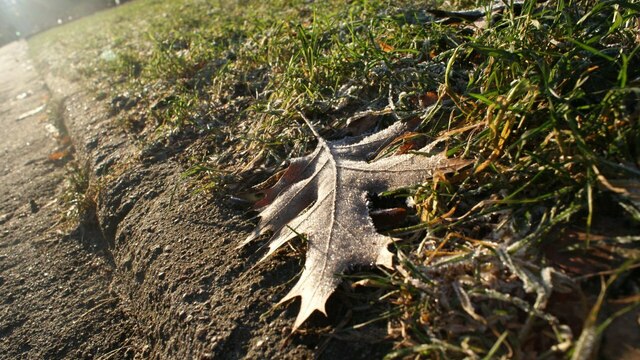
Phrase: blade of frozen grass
x=494 y=349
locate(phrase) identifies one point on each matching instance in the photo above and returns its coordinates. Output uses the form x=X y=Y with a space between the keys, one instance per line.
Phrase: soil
x=55 y=299
x=153 y=270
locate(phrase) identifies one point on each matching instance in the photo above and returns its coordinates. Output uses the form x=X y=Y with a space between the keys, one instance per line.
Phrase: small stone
x=5 y=217
x=201 y=333
x=206 y=356
x=157 y=250
x=127 y=263
x=34 y=206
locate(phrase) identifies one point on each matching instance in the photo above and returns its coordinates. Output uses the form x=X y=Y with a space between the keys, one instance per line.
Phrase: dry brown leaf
x=385 y=47
x=429 y=98
x=58 y=155
x=324 y=196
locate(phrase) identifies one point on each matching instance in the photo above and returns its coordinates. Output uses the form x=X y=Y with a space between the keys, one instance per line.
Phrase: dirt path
x=54 y=295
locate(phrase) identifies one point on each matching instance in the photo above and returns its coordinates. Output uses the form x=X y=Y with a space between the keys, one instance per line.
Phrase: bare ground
x=55 y=299
x=154 y=271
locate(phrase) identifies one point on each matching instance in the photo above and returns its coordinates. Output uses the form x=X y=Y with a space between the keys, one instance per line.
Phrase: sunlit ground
x=23 y=18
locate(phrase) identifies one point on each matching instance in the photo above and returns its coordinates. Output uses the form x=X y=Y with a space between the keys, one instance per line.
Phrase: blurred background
x=23 y=18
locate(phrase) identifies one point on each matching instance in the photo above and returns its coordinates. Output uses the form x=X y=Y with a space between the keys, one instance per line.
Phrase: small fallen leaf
x=364 y=121
x=58 y=155
x=429 y=98
x=385 y=47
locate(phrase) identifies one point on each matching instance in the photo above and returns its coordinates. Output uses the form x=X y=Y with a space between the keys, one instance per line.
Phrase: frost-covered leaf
x=324 y=196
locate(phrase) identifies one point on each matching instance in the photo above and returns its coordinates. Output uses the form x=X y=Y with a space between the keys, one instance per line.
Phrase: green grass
x=80 y=194
x=545 y=99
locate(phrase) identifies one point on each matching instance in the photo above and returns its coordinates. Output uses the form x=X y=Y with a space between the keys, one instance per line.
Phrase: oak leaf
x=324 y=196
